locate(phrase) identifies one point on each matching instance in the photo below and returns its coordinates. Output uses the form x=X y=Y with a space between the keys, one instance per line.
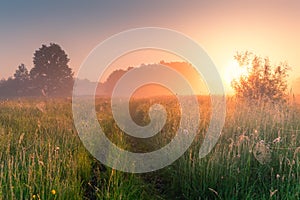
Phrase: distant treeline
x=50 y=76
x=106 y=88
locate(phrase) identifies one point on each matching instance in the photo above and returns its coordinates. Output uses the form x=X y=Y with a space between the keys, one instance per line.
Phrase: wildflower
x=34 y=196
x=277 y=176
x=53 y=192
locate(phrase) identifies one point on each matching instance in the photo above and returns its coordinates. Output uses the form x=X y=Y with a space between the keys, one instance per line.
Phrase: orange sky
x=268 y=28
x=136 y=58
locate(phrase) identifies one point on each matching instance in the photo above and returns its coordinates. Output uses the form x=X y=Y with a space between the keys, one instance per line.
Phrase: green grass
x=41 y=152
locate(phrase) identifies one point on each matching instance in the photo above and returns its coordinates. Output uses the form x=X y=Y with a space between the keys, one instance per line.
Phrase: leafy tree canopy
x=263 y=81
x=51 y=74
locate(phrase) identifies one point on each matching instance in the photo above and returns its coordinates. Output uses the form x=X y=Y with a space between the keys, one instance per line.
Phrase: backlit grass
x=256 y=157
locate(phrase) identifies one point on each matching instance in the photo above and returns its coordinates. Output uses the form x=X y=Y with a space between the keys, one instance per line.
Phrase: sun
x=234 y=71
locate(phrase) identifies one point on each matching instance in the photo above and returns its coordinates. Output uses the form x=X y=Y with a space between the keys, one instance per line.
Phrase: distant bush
x=263 y=83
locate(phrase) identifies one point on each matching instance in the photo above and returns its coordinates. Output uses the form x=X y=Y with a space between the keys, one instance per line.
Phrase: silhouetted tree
x=21 y=73
x=112 y=80
x=21 y=81
x=263 y=81
x=51 y=75
x=8 y=88
x=17 y=85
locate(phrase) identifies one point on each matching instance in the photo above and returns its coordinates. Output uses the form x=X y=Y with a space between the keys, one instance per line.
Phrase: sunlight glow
x=234 y=71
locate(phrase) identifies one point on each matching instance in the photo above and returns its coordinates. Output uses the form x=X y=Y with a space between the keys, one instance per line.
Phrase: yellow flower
x=34 y=196
x=53 y=192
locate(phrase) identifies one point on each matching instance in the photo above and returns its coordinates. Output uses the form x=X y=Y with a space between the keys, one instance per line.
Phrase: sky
x=267 y=28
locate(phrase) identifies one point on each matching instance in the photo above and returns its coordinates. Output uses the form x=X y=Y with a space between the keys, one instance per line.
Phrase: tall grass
x=256 y=157
x=41 y=157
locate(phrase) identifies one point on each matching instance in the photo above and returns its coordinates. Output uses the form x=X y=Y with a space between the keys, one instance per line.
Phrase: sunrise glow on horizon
x=222 y=29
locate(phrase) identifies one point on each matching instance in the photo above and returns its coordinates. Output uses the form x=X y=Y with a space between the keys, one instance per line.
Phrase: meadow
x=42 y=157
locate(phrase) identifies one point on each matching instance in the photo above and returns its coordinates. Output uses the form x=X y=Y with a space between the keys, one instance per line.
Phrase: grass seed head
x=262 y=153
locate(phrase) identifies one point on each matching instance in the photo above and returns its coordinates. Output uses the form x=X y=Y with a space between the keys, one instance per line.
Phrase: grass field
x=42 y=157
